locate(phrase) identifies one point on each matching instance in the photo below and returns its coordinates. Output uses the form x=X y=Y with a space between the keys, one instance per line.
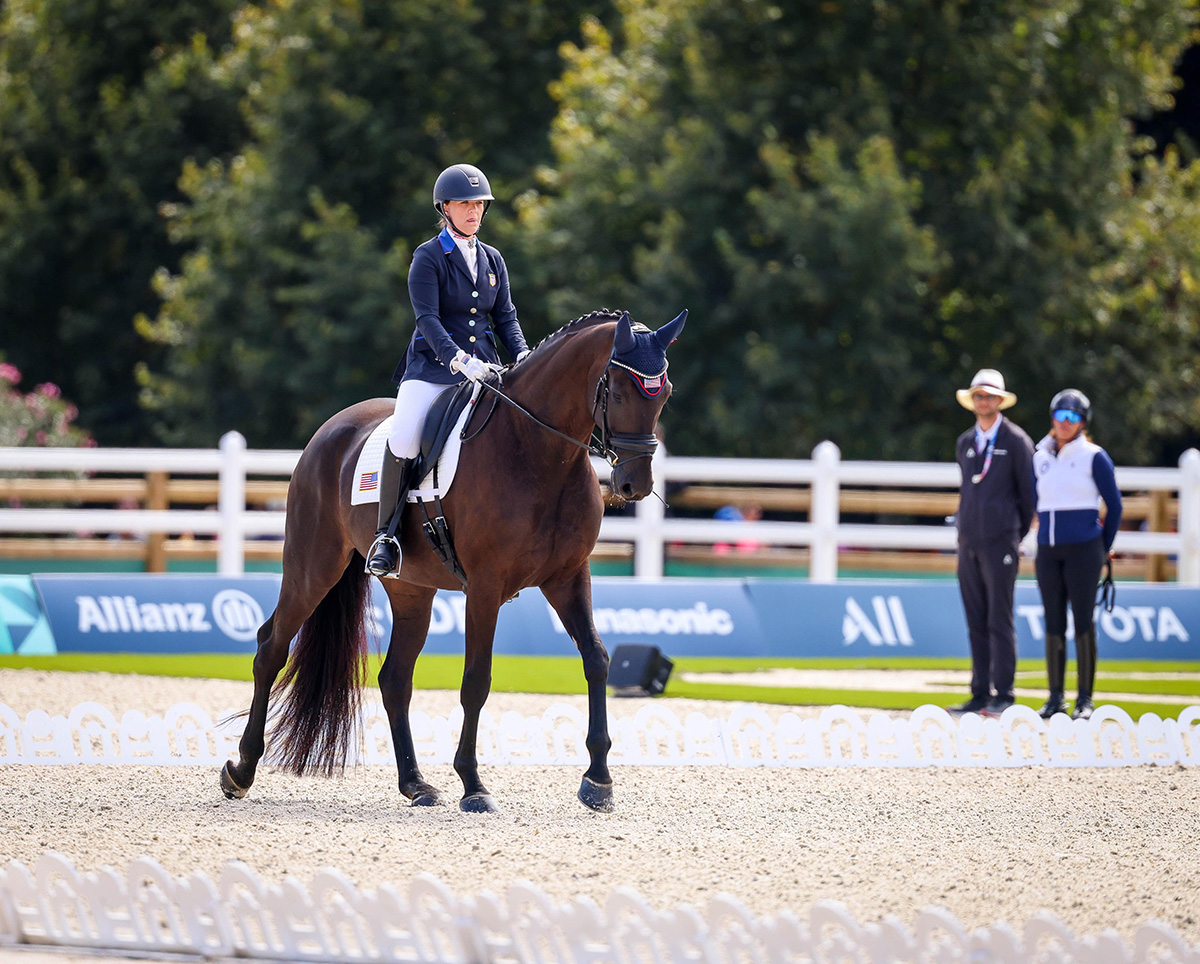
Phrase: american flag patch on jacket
x=368 y=482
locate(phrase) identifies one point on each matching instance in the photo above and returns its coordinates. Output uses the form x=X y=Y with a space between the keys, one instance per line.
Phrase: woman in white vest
x=1072 y=474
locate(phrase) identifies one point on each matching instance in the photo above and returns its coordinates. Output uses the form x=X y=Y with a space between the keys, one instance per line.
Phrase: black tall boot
x=1056 y=670
x=383 y=559
x=1085 y=656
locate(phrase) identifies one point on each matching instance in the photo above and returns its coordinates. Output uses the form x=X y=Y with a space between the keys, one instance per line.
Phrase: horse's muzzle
x=632 y=480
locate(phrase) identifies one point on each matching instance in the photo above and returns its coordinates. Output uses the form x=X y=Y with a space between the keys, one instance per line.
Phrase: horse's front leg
x=411 y=608
x=482 y=609
x=572 y=600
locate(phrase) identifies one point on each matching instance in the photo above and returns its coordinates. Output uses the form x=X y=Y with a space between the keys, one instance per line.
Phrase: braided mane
x=592 y=318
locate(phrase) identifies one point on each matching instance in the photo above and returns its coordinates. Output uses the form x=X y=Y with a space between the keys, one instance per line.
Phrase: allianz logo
x=886 y=625
x=235 y=613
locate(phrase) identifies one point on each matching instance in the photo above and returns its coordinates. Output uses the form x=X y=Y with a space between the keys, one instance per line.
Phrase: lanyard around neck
x=987 y=461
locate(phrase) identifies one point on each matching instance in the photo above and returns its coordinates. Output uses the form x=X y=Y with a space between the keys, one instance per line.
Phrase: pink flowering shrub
x=43 y=417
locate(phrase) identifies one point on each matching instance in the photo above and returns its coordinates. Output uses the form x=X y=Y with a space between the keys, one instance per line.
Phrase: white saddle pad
x=370 y=459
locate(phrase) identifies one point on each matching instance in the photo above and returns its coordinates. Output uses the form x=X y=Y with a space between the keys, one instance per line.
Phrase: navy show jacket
x=1000 y=506
x=455 y=312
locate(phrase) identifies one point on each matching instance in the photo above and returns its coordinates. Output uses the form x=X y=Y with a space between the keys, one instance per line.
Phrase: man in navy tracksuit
x=995 y=510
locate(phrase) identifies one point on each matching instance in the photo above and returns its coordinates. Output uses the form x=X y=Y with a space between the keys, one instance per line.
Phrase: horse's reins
x=613 y=447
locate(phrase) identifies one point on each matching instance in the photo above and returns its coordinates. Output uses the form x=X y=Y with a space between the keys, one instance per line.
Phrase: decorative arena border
x=148 y=911
x=748 y=737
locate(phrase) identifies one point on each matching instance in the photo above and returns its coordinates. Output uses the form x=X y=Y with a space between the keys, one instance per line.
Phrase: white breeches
x=413 y=399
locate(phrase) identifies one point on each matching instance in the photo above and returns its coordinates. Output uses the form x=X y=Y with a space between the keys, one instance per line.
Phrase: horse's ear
x=623 y=340
x=670 y=331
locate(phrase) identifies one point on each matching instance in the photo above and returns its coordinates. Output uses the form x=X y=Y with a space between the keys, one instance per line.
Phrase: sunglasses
x=1066 y=415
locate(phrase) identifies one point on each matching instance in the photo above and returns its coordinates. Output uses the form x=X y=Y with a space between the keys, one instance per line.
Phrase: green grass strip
x=563 y=675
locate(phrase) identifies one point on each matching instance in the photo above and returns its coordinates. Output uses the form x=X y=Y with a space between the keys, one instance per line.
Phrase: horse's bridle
x=615 y=448
x=621 y=446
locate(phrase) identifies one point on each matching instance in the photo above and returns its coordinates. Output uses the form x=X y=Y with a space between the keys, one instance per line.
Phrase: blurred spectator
x=751 y=512
x=129 y=504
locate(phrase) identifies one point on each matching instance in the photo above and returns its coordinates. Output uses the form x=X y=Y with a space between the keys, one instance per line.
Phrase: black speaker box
x=638 y=670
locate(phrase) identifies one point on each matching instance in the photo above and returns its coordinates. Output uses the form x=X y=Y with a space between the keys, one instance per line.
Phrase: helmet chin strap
x=441 y=209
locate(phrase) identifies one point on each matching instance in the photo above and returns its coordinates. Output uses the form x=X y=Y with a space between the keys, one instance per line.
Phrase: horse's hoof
x=478 y=803
x=596 y=796
x=426 y=797
x=231 y=790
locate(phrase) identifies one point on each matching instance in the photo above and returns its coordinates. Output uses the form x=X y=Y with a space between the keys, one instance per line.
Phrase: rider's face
x=465 y=216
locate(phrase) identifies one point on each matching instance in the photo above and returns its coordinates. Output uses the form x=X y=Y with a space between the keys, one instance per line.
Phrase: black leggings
x=1072 y=573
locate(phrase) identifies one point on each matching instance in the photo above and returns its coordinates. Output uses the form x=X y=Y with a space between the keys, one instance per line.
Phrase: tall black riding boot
x=1056 y=670
x=383 y=560
x=1085 y=655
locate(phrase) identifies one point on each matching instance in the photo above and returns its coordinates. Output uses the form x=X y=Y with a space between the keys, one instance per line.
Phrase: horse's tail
x=319 y=718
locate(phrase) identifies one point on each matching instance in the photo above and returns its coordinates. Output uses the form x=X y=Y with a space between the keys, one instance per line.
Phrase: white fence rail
x=649 y=530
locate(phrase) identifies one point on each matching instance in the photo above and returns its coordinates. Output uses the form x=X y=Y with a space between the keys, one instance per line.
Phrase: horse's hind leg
x=572 y=600
x=411 y=608
x=298 y=597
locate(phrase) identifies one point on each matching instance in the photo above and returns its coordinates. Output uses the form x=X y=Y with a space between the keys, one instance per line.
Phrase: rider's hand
x=474 y=368
x=522 y=355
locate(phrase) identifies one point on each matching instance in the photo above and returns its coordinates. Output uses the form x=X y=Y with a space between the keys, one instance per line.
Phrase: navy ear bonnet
x=643 y=353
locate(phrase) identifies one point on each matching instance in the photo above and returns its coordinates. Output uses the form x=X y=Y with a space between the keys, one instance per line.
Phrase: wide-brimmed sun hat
x=990 y=382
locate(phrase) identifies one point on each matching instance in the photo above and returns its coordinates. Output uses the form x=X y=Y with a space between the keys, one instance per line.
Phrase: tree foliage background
x=207 y=211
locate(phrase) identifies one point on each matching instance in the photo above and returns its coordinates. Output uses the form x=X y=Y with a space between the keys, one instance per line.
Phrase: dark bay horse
x=524 y=510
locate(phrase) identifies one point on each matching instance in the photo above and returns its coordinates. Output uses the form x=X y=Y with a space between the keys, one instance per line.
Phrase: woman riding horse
x=456 y=284
x=524 y=509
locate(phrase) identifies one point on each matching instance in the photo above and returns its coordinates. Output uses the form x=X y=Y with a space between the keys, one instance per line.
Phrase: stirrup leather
x=380 y=541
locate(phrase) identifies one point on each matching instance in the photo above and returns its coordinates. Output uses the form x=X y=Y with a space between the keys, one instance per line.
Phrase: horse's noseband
x=617 y=447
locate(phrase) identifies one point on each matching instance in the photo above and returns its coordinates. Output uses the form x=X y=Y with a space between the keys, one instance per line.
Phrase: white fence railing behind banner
x=649 y=530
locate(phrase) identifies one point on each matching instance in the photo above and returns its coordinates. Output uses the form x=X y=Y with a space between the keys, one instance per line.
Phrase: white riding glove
x=469 y=365
x=523 y=354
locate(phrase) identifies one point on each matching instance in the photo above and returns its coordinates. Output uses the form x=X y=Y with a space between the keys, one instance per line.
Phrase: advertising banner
x=160 y=613
x=23 y=627
x=902 y=617
x=683 y=617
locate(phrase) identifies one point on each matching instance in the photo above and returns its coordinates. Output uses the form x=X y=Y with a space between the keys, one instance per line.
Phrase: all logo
x=887 y=625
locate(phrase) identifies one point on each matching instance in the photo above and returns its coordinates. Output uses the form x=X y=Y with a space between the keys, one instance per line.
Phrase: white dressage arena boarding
x=747 y=737
x=148 y=912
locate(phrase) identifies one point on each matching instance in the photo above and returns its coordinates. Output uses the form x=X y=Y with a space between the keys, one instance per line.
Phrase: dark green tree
x=862 y=203
x=291 y=301
x=99 y=105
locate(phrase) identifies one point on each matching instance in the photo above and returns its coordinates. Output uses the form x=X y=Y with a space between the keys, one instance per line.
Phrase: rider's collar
x=447 y=238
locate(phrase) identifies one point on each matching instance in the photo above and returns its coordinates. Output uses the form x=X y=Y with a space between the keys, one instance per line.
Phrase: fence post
x=823 y=562
x=231 y=504
x=156 y=498
x=1189 y=519
x=648 y=550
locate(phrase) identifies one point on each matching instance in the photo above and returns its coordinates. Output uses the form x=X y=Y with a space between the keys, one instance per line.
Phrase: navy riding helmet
x=462 y=182
x=1073 y=400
